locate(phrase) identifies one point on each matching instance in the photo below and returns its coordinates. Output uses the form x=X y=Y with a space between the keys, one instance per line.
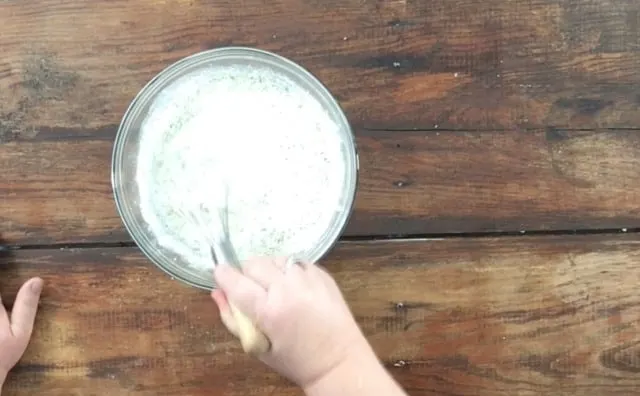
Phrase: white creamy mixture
x=257 y=130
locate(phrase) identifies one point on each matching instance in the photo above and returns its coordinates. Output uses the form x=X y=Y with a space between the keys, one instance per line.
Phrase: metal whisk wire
x=222 y=252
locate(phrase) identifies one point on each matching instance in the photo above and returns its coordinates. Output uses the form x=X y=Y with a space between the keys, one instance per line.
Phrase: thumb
x=240 y=290
x=24 y=310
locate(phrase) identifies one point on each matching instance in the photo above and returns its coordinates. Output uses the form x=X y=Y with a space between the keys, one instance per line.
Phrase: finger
x=262 y=270
x=281 y=263
x=291 y=265
x=220 y=299
x=24 y=309
x=4 y=317
x=245 y=293
x=225 y=313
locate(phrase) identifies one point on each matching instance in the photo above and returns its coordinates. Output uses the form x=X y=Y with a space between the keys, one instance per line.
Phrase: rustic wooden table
x=494 y=245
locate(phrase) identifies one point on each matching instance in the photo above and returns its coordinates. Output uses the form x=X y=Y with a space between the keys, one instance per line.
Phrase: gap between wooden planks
x=534 y=315
x=411 y=182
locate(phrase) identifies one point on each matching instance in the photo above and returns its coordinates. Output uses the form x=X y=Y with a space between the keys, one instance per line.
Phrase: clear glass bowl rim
x=147 y=94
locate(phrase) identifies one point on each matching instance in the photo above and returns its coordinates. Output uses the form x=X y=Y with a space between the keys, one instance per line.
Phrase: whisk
x=216 y=234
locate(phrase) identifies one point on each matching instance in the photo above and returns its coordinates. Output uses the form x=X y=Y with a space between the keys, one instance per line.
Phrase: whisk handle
x=253 y=341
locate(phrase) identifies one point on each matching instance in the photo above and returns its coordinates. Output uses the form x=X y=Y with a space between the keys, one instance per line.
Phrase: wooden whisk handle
x=253 y=341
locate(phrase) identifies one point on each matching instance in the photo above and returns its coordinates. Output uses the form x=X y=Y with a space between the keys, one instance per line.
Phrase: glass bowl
x=127 y=144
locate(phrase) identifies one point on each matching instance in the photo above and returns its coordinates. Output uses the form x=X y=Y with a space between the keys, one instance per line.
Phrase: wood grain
x=461 y=111
x=411 y=182
x=393 y=63
x=519 y=315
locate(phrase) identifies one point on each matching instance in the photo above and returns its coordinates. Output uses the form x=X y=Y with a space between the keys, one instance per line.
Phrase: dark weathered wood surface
x=411 y=183
x=393 y=63
x=506 y=316
x=512 y=73
x=471 y=116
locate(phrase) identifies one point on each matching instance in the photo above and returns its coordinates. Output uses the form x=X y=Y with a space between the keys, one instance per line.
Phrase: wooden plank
x=520 y=315
x=411 y=182
x=394 y=64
